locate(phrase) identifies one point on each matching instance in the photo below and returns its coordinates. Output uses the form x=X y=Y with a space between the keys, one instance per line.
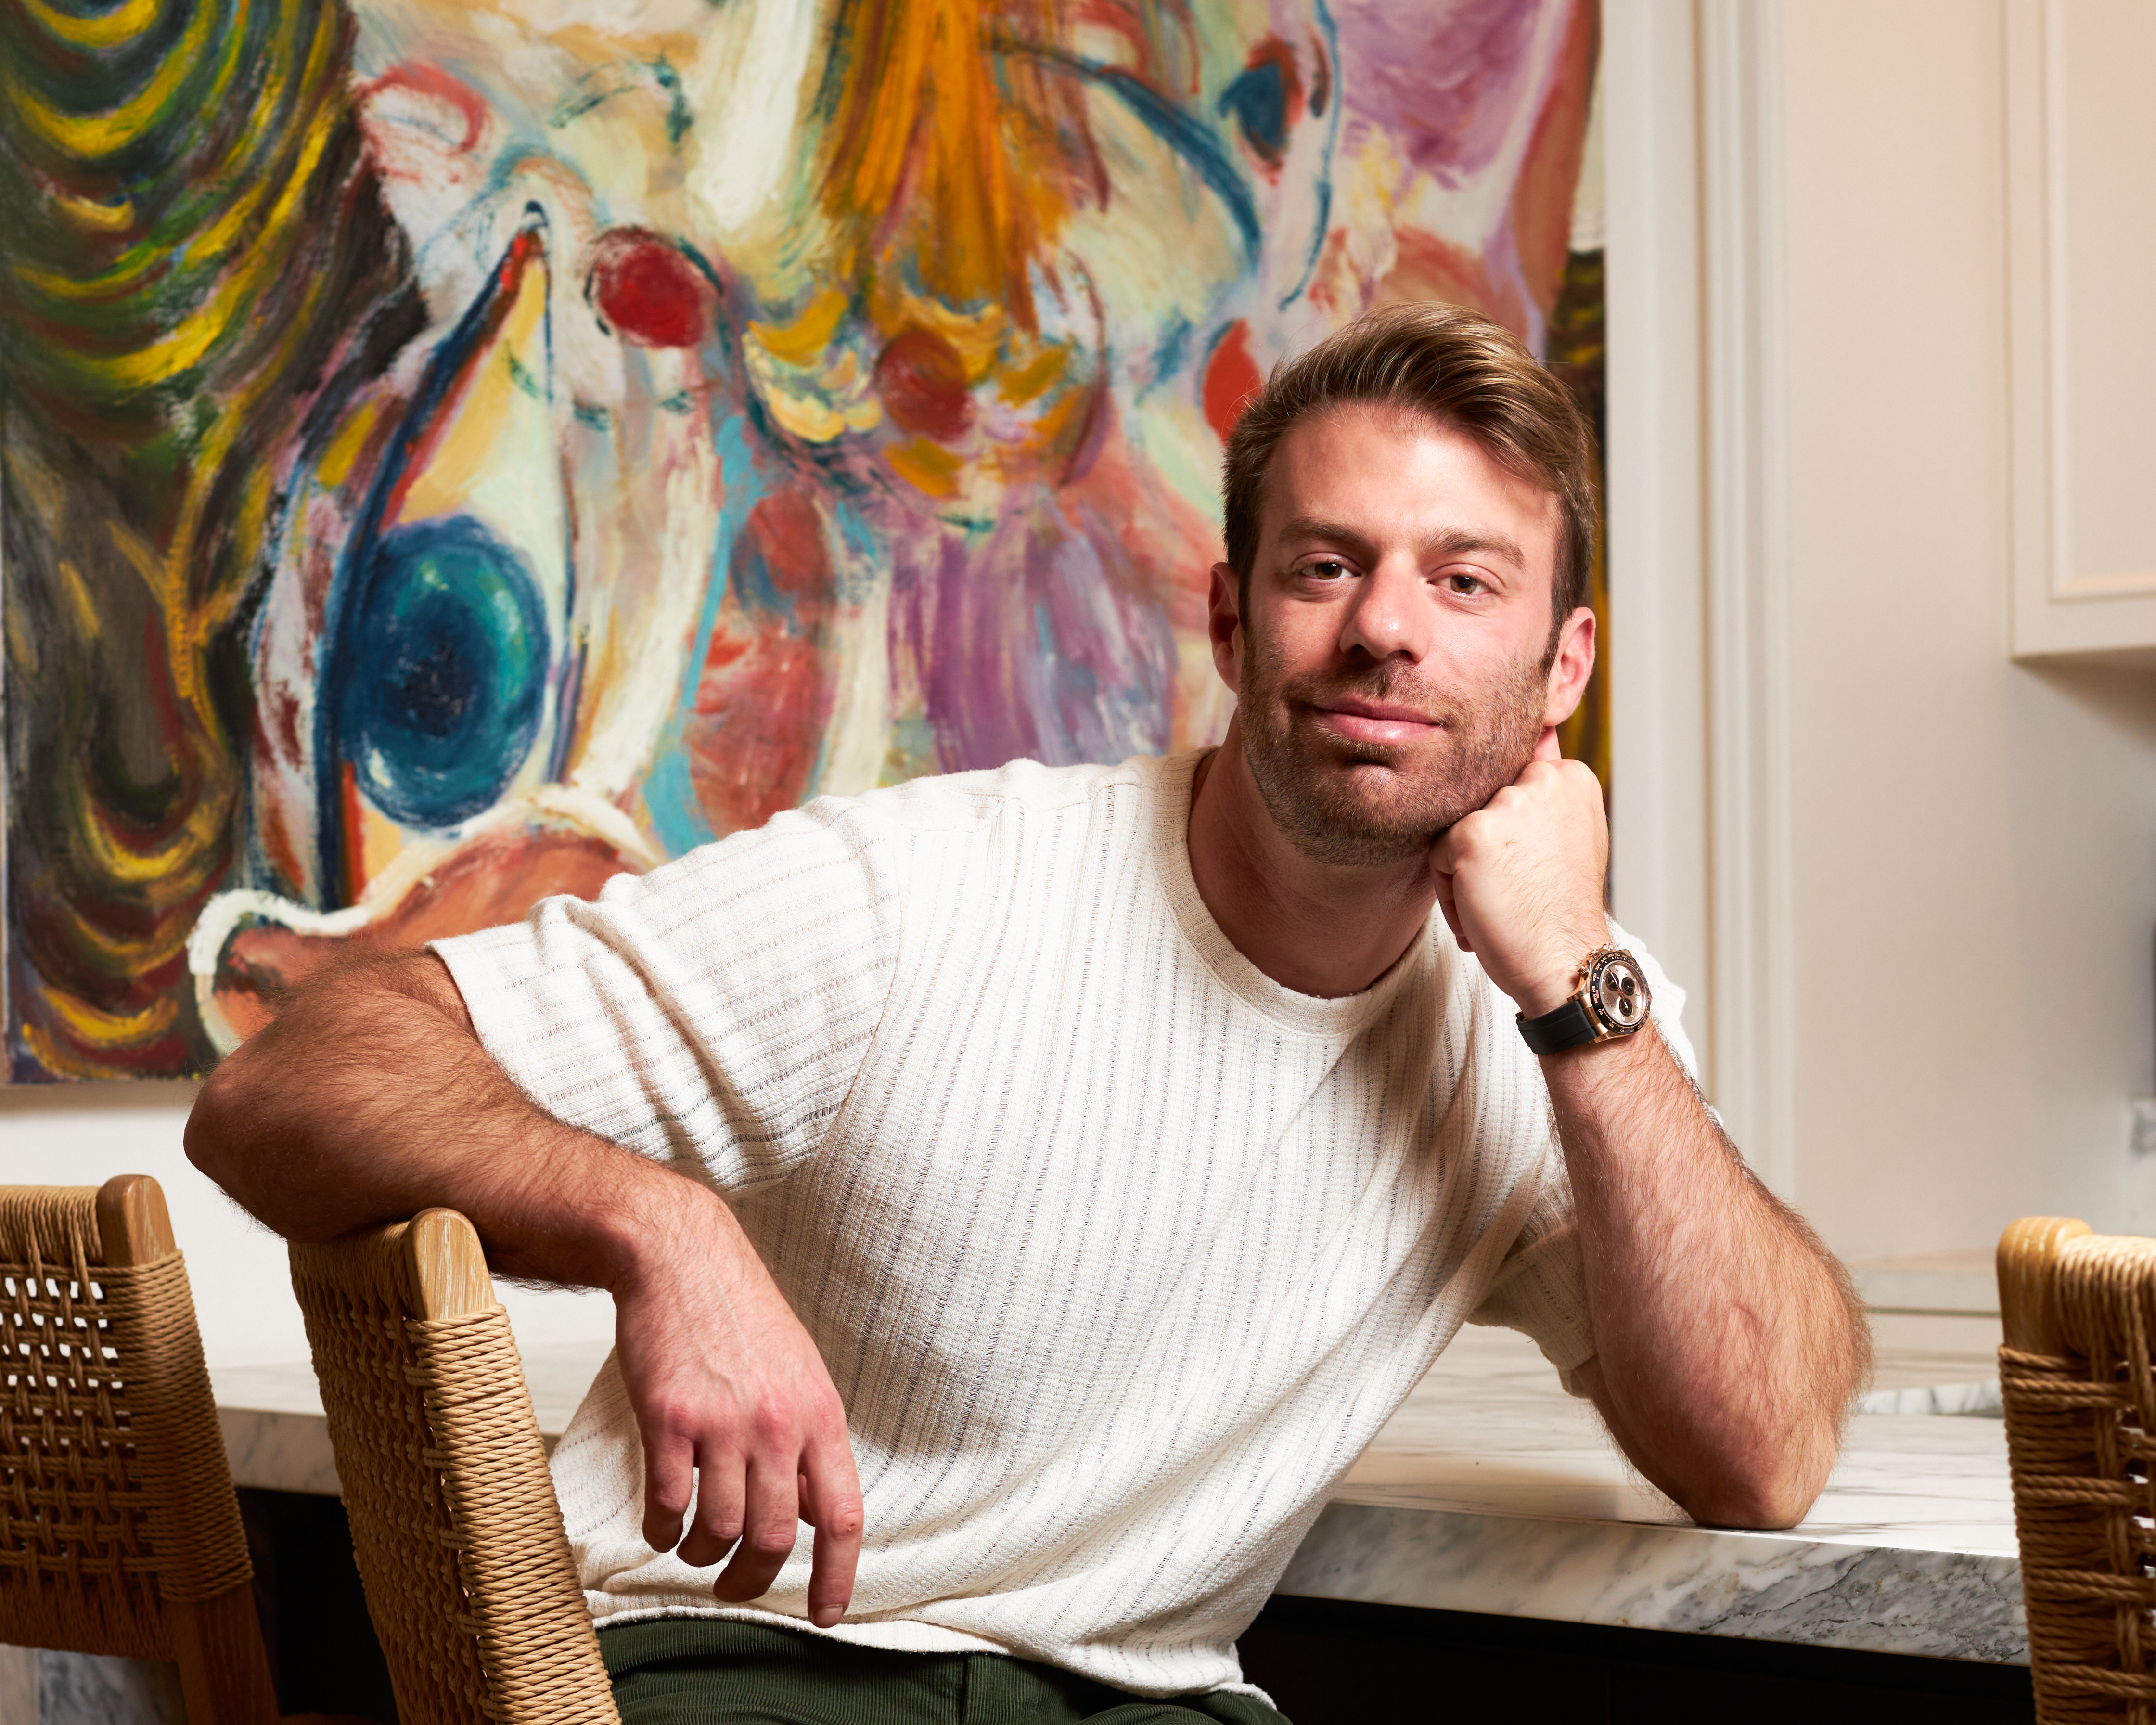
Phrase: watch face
x=1617 y=991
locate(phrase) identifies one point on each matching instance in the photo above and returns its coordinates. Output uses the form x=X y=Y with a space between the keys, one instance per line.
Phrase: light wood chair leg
x=217 y=1643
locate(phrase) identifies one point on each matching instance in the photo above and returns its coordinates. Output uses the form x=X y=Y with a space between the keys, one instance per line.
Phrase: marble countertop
x=1492 y=1490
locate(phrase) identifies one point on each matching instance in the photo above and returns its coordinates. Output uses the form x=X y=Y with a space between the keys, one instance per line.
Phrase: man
x=1097 y=1157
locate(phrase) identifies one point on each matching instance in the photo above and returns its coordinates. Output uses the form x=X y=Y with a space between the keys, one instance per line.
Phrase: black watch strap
x=1570 y=1026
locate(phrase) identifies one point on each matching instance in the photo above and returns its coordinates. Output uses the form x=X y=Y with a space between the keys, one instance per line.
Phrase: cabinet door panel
x=2082 y=143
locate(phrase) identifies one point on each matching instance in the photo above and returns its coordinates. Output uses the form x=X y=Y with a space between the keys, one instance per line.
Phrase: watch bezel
x=1598 y=966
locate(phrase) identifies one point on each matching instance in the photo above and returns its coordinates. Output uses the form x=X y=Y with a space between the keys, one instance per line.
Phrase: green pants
x=691 y=1670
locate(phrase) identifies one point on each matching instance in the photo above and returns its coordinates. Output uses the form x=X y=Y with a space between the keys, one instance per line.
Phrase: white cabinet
x=2082 y=231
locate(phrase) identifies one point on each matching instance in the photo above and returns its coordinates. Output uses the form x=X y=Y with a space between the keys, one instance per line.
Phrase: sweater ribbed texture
x=1118 y=1252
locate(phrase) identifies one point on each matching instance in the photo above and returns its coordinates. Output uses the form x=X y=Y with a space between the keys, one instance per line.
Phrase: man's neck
x=1311 y=926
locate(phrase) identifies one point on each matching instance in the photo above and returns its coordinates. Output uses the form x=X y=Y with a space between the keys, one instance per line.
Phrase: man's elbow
x=1765 y=1509
x=214 y=1129
x=1768 y=1492
x=276 y=1087
x=248 y=1105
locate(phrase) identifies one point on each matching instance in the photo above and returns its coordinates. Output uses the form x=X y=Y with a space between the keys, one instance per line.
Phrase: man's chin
x=1357 y=816
x=1342 y=842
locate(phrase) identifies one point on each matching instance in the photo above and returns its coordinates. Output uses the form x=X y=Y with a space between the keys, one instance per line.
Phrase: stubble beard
x=1330 y=796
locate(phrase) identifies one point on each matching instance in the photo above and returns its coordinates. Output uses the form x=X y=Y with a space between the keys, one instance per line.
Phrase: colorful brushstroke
x=458 y=449
x=191 y=246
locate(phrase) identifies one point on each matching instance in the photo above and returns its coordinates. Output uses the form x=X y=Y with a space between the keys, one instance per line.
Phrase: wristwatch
x=1611 y=1001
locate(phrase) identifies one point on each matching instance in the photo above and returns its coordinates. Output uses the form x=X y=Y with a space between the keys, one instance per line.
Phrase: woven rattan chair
x=453 y=1520
x=2078 y=1376
x=119 y=1531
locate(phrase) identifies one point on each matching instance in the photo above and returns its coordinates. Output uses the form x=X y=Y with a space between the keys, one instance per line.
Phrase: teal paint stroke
x=677 y=818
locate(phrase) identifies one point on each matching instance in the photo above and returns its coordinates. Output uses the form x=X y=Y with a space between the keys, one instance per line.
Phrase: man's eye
x=1326 y=569
x=1460 y=582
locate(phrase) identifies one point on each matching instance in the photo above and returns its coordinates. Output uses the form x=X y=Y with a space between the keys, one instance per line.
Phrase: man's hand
x=725 y=1380
x=1520 y=879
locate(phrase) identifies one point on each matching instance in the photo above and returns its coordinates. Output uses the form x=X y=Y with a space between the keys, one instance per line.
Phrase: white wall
x=1971 y=864
x=82 y=1135
x=1975 y=839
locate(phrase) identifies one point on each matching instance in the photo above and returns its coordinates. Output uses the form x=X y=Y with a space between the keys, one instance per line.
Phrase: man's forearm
x=369 y=1098
x=1727 y=1347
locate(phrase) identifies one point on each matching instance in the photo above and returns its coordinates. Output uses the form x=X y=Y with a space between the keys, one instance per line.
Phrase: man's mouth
x=1354 y=720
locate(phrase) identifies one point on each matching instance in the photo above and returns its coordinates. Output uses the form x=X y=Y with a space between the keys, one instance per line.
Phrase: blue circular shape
x=1258 y=99
x=445 y=676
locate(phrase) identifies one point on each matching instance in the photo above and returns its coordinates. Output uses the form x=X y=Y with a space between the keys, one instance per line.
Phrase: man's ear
x=1224 y=622
x=1570 y=667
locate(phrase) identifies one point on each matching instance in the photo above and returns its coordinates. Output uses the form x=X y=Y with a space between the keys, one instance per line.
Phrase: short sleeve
x=713 y=1013
x=1541 y=1287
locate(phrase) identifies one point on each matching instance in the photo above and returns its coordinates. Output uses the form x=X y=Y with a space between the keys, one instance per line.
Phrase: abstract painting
x=453 y=451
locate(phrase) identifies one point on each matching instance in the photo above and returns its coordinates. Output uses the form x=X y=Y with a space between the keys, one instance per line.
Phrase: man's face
x=1393 y=667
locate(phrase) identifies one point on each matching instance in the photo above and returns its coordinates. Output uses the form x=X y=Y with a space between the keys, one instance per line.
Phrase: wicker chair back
x=2077 y=1374
x=119 y=1531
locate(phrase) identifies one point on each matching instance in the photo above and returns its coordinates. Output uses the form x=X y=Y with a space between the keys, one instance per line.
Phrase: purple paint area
x=1027 y=645
x=1443 y=81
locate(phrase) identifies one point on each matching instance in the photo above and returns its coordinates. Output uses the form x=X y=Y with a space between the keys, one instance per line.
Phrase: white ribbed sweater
x=1118 y=1252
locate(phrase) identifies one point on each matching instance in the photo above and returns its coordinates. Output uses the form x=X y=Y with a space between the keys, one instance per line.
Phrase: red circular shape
x=1231 y=378
x=922 y=382
x=648 y=292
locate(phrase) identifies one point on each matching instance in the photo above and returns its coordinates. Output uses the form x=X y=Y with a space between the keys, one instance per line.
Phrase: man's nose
x=1389 y=616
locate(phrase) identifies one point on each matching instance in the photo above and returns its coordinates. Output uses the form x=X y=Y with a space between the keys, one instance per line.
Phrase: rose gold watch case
x=1616 y=993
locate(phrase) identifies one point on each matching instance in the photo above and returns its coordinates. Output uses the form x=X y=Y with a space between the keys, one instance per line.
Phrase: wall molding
x=1745 y=477
x=1655 y=650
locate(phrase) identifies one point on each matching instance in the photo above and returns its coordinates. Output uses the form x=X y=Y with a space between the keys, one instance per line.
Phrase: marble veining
x=38 y=1687
x=1981 y=1400
x=279 y=1451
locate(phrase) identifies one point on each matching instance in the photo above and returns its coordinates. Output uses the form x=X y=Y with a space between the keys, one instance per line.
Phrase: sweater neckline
x=1305 y=1014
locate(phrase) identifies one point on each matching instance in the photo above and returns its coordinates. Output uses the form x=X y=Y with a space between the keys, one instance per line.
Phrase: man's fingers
x=668 y=1484
x=769 y=1528
x=1444 y=903
x=1459 y=936
x=831 y=1502
x=720 y=1486
x=1545 y=745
